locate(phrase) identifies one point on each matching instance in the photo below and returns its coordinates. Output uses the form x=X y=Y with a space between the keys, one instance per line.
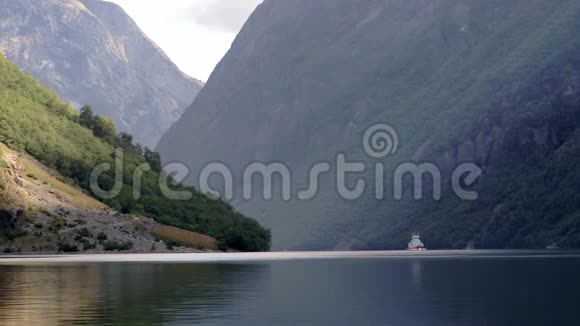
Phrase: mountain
x=494 y=83
x=55 y=182
x=91 y=52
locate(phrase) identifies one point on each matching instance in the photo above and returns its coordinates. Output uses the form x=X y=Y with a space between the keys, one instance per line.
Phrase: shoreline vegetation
x=45 y=200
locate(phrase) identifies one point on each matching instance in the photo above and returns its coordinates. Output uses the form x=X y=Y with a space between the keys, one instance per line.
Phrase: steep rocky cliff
x=488 y=82
x=91 y=52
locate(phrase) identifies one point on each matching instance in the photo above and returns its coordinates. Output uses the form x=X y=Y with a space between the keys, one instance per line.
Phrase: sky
x=195 y=34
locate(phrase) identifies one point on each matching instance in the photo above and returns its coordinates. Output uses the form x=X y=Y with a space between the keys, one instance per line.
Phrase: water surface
x=434 y=288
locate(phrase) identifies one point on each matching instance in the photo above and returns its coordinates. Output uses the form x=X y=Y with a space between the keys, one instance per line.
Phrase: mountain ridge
x=92 y=52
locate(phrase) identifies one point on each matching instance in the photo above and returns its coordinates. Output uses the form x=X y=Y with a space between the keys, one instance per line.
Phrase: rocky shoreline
x=65 y=231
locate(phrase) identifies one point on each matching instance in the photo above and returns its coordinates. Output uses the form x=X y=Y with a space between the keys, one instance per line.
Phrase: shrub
x=57 y=223
x=85 y=233
x=12 y=235
x=88 y=245
x=170 y=245
x=120 y=246
x=67 y=247
x=102 y=236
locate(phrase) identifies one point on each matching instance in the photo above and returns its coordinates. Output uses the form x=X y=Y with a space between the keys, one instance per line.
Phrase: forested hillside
x=35 y=121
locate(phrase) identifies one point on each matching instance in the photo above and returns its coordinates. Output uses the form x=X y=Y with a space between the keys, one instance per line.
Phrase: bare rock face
x=91 y=52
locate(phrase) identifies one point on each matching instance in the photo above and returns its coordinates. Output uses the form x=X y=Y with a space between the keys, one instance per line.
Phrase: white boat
x=416 y=244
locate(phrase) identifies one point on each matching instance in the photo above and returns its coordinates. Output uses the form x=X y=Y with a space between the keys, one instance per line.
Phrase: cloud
x=195 y=34
x=227 y=15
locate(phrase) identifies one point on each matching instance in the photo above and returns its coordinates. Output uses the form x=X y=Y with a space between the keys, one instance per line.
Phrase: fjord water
x=383 y=289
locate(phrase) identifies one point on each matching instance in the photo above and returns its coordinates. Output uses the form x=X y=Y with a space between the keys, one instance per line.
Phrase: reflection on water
x=124 y=294
x=416 y=272
x=41 y=295
x=385 y=291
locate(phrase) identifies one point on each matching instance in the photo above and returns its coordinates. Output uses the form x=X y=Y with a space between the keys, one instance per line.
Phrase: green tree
x=153 y=158
x=105 y=128
x=87 y=117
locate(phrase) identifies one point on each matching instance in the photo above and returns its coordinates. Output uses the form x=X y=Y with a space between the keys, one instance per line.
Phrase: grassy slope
x=36 y=172
x=185 y=238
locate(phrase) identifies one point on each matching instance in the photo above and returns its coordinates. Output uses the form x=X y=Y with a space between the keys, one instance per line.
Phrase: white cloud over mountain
x=195 y=34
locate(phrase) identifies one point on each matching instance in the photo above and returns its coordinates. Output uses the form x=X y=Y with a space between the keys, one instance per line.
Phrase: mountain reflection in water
x=124 y=294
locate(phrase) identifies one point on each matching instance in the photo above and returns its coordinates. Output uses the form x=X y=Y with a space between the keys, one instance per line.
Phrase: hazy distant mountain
x=91 y=52
x=494 y=82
